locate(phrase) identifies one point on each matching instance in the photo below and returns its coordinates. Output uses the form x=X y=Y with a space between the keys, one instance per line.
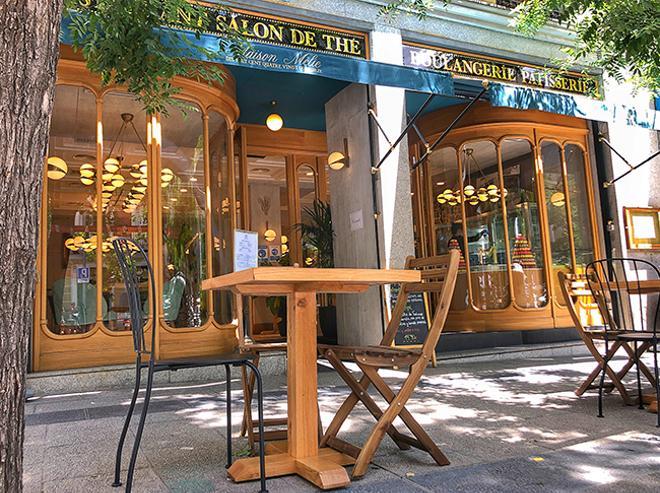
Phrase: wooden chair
x=438 y=276
x=575 y=289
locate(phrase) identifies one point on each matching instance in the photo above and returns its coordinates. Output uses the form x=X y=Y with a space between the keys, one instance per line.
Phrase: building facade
x=515 y=185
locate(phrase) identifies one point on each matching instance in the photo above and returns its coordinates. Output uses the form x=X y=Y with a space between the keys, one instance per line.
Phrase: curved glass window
x=555 y=197
x=71 y=235
x=124 y=199
x=446 y=200
x=221 y=225
x=486 y=241
x=183 y=202
x=525 y=244
x=580 y=216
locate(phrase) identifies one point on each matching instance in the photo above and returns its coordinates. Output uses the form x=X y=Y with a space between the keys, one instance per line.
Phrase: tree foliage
x=124 y=42
x=621 y=37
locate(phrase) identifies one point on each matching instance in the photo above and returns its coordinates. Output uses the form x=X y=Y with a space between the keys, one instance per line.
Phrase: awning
x=524 y=98
x=286 y=59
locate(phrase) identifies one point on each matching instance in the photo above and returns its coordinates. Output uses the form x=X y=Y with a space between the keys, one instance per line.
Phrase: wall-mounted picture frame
x=642 y=228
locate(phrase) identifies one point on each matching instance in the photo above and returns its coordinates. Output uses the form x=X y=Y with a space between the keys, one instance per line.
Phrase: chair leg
x=229 y=450
x=657 y=384
x=124 y=431
x=262 y=439
x=639 y=378
x=138 y=434
x=606 y=361
x=247 y=426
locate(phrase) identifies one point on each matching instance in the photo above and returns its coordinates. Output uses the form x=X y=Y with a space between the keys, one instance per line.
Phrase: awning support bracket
x=405 y=131
x=429 y=150
x=632 y=168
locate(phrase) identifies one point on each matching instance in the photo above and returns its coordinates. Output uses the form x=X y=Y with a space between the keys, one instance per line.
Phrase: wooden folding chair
x=438 y=276
x=575 y=289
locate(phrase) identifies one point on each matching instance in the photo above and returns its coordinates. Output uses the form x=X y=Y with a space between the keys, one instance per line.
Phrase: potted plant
x=317 y=241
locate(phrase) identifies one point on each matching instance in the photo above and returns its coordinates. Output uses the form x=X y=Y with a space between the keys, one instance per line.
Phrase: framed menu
x=642 y=228
x=245 y=249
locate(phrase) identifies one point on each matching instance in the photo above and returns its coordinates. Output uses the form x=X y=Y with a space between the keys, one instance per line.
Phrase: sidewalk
x=507 y=426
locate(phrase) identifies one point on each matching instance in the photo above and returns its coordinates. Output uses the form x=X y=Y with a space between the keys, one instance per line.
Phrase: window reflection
x=446 y=200
x=71 y=236
x=124 y=198
x=525 y=245
x=184 y=218
x=221 y=225
x=486 y=244
x=556 y=206
x=580 y=216
x=309 y=216
x=269 y=217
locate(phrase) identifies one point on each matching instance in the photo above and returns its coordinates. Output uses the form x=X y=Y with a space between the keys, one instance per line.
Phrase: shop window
x=221 y=206
x=124 y=198
x=446 y=198
x=579 y=200
x=555 y=196
x=525 y=244
x=486 y=243
x=269 y=217
x=183 y=202
x=70 y=229
x=310 y=216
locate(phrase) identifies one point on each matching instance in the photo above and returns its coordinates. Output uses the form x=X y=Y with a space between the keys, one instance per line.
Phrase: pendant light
x=57 y=168
x=274 y=122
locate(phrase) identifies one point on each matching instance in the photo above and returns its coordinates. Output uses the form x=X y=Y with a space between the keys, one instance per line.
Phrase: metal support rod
x=449 y=128
x=411 y=122
x=608 y=184
x=607 y=143
x=372 y=114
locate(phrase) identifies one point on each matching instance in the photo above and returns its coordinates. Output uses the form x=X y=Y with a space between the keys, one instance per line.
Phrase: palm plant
x=317 y=233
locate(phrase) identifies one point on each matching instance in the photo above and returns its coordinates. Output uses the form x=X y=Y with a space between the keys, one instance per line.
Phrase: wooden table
x=302 y=455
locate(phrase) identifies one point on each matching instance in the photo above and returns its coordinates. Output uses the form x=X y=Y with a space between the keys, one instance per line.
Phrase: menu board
x=414 y=326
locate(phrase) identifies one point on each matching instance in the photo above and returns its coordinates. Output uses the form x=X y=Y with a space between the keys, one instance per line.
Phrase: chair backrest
x=132 y=259
x=574 y=288
x=626 y=291
x=438 y=276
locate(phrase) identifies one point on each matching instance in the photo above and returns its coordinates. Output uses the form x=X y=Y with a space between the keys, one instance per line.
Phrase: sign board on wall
x=507 y=71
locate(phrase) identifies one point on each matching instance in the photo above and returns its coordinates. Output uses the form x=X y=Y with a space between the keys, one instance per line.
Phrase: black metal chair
x=627 y=292
x=132 y=260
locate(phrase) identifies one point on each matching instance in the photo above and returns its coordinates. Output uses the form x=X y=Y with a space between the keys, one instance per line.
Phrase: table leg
x=302 y=396
x=301 y=454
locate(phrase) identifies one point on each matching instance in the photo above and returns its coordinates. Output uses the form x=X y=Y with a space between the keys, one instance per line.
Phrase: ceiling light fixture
x=274 y=122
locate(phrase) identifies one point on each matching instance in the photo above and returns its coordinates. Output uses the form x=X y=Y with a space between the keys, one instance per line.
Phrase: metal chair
x=626 y=291
x=578 y=300
x=132 y=260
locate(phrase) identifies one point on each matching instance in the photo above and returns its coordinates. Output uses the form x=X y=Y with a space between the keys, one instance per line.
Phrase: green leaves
x=124 y=41
x=621 y=37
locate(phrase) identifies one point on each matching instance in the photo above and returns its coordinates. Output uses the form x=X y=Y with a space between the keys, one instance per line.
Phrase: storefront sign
x=279 y=32
x=471 y=66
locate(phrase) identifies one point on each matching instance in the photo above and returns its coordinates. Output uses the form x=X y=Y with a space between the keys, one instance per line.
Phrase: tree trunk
x=29 y=31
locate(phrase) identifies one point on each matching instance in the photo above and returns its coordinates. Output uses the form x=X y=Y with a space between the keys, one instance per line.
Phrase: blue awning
x=524 y=98
x=285 y=59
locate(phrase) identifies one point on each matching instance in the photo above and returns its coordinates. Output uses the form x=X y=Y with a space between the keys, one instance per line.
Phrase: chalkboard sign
x=414 y=325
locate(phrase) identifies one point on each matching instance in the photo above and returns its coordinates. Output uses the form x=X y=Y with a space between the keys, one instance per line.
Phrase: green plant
x=317 y=233
x=124 y=41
